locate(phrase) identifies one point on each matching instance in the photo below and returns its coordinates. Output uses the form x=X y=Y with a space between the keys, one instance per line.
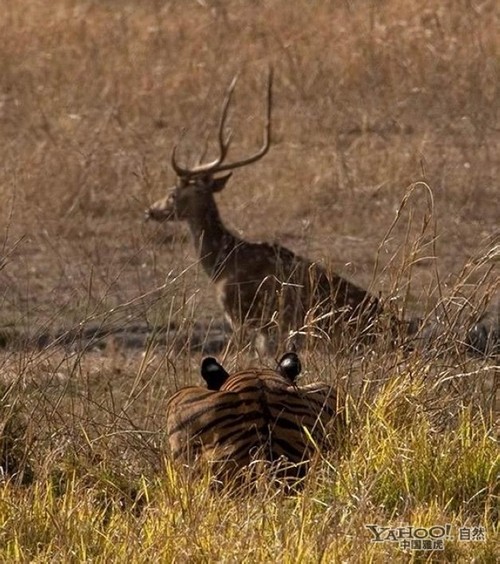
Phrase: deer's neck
x=214 y=243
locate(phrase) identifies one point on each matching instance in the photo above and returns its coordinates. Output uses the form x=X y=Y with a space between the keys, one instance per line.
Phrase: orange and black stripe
x=253 y=414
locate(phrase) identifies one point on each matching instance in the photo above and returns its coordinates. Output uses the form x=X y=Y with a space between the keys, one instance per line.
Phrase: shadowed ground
x=384 y=166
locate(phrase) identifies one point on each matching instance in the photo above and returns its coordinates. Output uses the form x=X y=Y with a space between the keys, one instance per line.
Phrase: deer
x=265 y=287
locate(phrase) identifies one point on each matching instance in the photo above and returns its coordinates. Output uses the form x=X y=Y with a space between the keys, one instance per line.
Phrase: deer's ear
x=219 y=183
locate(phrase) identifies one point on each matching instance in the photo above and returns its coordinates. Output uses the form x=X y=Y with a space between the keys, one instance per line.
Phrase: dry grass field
x=385 y=166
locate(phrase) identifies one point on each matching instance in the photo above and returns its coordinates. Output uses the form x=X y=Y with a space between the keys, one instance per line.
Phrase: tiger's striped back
x=293 y=414
x=256 y=414
x=225 y=428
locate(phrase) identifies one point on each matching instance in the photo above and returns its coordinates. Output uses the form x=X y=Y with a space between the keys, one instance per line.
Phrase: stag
x=264 y=287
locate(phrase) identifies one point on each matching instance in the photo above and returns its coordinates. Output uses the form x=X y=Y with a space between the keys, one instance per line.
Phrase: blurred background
x=384 y=162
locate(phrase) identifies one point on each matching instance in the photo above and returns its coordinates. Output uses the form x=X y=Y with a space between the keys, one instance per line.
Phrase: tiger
x=215 y=374
x=257 y=414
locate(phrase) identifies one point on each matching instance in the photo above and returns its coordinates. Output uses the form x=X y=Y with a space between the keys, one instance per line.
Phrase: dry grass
x=385 y=164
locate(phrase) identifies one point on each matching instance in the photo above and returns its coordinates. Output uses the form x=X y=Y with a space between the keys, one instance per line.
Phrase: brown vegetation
x=384 y=166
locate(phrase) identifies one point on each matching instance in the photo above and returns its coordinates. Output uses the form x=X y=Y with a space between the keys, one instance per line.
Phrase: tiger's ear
x=289 y=366
x=213 y=373
x=219 y=183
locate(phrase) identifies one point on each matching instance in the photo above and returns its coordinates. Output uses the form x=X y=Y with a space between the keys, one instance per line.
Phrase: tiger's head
x=215 y=375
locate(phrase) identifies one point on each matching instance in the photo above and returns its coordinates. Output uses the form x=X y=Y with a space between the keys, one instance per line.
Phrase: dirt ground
x=375 y=105
x=384 y=165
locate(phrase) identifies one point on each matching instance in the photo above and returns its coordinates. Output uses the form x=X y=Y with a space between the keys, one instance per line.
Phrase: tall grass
x=384 y=165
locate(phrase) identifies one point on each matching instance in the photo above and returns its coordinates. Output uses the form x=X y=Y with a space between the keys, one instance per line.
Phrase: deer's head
x=195 y=185
x=185 y=197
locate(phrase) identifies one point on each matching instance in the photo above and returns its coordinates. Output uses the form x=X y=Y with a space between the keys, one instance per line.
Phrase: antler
x=217 y=164
x=267 y=132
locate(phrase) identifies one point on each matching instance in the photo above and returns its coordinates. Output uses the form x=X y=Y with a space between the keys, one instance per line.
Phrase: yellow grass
x=384 y=165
